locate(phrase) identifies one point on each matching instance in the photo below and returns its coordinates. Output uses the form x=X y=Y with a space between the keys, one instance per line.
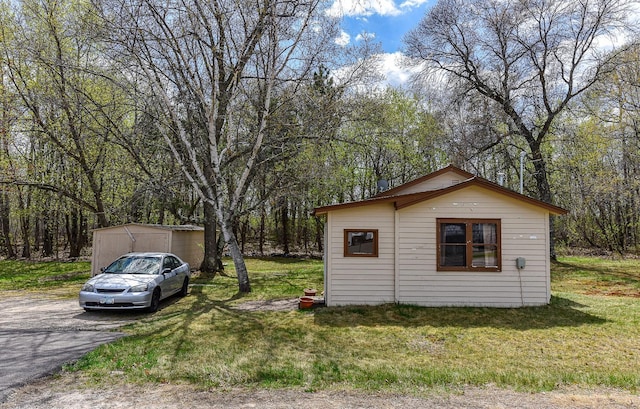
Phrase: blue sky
x=386 y=20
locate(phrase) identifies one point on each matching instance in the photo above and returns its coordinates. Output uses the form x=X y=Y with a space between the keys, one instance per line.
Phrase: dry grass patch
x=597 y=276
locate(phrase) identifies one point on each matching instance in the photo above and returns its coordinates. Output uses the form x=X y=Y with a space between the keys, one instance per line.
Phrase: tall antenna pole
x=522 y=155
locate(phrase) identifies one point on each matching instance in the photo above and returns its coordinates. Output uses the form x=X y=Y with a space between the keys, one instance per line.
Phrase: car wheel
x=185 y=287
x=155 y=301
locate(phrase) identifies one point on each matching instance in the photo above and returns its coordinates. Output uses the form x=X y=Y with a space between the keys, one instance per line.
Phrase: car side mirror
x=166 y=271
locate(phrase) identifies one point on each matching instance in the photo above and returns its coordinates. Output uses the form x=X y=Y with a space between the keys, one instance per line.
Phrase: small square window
x=361 y=243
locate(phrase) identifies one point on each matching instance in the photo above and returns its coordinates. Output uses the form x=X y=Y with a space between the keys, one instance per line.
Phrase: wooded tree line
x=246 y=115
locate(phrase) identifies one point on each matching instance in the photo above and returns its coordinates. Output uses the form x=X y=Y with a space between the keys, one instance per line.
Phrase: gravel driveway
x=64 y=393
x=39 y=335
x=69 y=391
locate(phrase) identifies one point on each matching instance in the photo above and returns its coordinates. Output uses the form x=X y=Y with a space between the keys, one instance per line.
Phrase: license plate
x=107 y=300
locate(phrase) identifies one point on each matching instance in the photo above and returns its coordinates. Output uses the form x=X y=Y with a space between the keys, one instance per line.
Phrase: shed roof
x=183 y=227
x=401 y=201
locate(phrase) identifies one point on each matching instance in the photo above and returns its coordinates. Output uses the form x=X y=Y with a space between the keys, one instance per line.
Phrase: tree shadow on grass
x=201 y=304
x=561 y=312
x=627 y=275
x=220 y=322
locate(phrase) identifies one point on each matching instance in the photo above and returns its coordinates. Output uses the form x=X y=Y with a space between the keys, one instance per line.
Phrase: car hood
x=116 y=281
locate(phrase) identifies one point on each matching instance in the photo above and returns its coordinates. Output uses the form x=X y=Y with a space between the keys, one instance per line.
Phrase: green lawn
x=61 y=278
x=589 y=336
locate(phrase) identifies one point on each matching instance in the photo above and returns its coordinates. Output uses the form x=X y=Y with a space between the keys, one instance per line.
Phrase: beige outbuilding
x=186 y=242
x=449 y=238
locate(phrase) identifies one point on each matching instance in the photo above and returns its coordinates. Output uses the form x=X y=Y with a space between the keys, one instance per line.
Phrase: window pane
x=453 y=233
x=360 y=242
x=485 y=233
x=485 y=256
x=469 y=244
x=453 y=255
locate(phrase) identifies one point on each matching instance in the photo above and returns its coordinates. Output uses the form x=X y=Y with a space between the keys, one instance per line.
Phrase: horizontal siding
x=373 y=294
x=416 y=257
x=361 y=280
x=438 y=182
x=523 y=234
x=360 y=300
x=492 y=287
x=505 y=280
x=445 y=301
x=348 y=282
x=365 y=280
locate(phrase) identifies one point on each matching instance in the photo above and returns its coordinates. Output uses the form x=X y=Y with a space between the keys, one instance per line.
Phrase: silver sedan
x=136 y=281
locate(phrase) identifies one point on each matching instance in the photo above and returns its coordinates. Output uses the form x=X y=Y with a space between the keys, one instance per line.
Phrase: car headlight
x=139 y=288
x=88 y=288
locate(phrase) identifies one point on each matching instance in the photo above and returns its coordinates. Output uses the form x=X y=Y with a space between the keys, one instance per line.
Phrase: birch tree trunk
x=212 y=69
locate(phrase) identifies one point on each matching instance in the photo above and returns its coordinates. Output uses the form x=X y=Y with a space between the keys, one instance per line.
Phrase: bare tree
x=50 y=65
x=215 y=70
x=530 y=58
x=600 y=161
x=7 y=118
x=6 y=115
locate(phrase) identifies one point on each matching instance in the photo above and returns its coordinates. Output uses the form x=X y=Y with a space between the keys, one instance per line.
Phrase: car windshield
x=135 y=265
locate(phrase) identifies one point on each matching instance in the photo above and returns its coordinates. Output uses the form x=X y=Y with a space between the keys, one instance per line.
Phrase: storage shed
x=186 y=242
x=449 y=238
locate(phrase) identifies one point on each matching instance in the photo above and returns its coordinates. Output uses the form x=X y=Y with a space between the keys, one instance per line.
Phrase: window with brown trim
x=360 y=243
x=469 y=245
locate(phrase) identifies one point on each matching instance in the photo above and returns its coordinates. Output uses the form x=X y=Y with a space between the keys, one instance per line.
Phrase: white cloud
x=390 y=65
x=359 y=8
x=344 y=39
x=620 y=36
x=410 y=4
x=389 y=68
x=352 y=8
